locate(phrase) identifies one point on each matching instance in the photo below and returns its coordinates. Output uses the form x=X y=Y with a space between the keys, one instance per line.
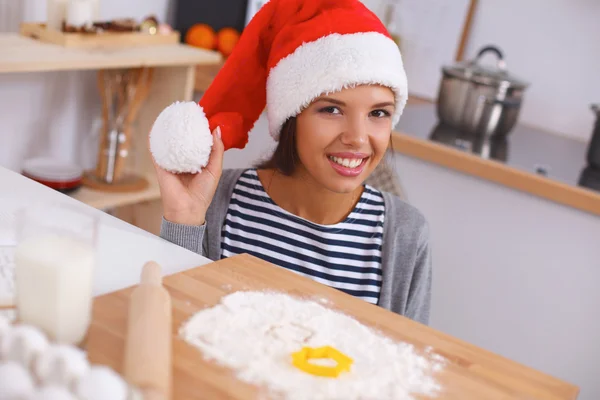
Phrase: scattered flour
x=255 y=334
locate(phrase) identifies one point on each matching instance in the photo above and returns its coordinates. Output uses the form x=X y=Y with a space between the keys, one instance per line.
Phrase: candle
x=96 y=15
x=56 y=12
x=80 y=13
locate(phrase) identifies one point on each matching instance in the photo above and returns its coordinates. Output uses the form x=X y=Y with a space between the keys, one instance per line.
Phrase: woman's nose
x=356 y=134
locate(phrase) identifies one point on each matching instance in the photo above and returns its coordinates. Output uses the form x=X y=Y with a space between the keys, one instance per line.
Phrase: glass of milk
x=54 y=268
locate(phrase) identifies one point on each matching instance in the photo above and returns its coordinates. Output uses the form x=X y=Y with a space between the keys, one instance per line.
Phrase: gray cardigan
x=406 y=257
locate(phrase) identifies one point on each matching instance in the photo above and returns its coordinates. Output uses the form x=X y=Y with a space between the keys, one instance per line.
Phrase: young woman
x=307 y=209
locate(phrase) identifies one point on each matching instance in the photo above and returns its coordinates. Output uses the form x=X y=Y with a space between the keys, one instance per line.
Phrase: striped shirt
x=346 y=255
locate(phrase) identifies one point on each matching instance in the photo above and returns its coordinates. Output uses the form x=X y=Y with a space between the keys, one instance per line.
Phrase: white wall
x=514 y=274
x=554 y=45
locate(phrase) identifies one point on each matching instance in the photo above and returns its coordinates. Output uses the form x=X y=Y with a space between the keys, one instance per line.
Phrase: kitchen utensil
x=593 y=154
x=62 y=176
x=147 y=362
x=122 y=93
x=478 y=99
x=136 y=92
x=195 y=377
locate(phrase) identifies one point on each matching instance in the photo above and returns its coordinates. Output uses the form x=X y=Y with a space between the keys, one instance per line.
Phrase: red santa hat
x=290 y=53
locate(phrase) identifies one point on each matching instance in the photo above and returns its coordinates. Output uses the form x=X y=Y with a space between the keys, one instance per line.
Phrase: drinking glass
x=54 y=267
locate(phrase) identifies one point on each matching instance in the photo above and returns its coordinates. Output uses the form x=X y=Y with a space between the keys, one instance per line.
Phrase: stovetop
x=525 y=148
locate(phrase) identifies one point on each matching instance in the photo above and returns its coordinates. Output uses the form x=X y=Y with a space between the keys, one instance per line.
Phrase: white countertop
x=122 y=248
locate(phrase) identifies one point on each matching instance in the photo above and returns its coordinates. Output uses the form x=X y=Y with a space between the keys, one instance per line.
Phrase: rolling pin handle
x=151 y=274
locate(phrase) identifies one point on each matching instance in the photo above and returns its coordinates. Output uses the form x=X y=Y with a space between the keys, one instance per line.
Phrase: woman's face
x=341 y=137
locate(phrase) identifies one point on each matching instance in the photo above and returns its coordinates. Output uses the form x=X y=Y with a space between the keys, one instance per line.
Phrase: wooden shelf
x=494 y=171
x=23 y=54
x=108 y=200
x=174 y=80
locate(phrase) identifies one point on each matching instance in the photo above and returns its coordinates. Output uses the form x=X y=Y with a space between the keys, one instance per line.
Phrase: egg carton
x=33 y=368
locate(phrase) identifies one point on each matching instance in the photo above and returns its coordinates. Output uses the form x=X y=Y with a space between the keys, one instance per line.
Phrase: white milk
x=54 y=277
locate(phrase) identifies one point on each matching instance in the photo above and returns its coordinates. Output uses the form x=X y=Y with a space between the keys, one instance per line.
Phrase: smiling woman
x=332 y=101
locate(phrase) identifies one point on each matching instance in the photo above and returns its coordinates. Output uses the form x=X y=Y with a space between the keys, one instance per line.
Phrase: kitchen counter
x=122 y=248
x=529 y=160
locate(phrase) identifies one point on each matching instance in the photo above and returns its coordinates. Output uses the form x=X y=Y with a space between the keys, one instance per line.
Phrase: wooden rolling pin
x=147 y=363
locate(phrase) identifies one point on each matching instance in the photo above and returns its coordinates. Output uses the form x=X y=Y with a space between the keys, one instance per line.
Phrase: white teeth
x=347 y=162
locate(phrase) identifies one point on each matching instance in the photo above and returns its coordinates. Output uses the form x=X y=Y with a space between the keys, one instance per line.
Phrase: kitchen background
x=514 y=273
x=550 y=43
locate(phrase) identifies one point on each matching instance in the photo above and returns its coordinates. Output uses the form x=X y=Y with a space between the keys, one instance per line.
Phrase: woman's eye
x=380 y=113
x=330 y=110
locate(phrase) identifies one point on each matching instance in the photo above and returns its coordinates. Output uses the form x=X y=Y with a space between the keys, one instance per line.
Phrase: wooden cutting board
x=472 y=373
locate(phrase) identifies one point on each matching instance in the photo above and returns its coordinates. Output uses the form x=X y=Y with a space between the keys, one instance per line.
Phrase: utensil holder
x=123 y=93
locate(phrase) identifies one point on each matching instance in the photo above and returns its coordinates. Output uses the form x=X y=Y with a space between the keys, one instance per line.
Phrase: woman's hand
x=186 y=197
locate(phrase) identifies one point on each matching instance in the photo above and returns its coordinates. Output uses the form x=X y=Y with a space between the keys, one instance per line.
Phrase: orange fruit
x=227 y=38
x=201 y=35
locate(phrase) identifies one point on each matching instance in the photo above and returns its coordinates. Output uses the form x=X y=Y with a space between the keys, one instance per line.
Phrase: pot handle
x=501 y=63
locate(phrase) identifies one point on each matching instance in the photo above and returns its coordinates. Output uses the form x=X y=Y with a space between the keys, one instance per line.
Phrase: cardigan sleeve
x=190 y=237
x=419 y=296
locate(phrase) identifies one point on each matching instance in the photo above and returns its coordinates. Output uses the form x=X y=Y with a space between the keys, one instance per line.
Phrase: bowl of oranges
x=205 y=37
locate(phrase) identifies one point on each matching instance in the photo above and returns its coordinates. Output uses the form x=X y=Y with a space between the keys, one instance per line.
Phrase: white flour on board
x=255 y=333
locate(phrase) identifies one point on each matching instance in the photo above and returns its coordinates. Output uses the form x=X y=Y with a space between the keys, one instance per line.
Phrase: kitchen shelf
x=108 y=200
x=411 y=138
x=173 y=80
x=22 y=54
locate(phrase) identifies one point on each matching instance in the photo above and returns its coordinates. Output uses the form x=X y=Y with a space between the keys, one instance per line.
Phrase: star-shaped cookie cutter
x=300 y=360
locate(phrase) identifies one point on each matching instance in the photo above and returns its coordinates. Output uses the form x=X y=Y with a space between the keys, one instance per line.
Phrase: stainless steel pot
x=480 y=100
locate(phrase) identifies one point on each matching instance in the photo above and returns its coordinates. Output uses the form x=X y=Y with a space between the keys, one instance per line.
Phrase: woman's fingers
x=215 y=162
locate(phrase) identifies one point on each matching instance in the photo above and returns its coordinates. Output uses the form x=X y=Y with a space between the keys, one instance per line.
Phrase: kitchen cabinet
x=513 y=272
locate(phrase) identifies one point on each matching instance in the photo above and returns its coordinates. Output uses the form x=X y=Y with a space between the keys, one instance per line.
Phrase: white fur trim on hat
x=180 y=139
x=330 y=64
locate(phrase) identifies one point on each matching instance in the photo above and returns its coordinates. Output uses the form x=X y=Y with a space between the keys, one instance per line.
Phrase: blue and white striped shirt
x=346 y=255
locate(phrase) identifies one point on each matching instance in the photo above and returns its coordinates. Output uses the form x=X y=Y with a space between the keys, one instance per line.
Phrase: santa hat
x=290 y=53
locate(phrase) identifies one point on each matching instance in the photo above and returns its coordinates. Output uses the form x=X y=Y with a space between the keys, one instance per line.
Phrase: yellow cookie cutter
x=301 y=357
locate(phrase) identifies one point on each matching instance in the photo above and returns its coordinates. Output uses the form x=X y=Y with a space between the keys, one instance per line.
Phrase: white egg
x=53 y=393
x=101 y=383
x=61 y=364
x=15 y=382
x=24 y=344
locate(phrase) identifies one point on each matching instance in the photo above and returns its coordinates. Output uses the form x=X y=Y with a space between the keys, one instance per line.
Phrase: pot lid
x=486 y=75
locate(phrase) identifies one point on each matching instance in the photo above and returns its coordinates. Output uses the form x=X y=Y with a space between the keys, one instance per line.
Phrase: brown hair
x=285 y=159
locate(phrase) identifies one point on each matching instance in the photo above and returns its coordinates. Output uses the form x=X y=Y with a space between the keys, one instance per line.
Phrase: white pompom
x=101 y=383
x=61 y=365
x=53 y=393
x=180 y=139
x=24 y=344
x=15 y=382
